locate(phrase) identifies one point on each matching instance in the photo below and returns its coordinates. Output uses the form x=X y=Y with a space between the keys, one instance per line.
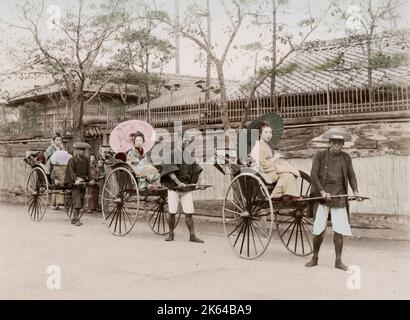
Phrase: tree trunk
x=147 y=92
x=78 y=111
x=273 y=76
x=77 y=120
x=208 y=58
x=223 y=105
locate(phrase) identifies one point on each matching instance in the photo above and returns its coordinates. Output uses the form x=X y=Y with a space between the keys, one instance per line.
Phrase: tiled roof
x=341 y=63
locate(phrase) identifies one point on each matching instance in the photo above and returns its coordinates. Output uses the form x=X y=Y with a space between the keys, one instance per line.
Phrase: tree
x=290 y=42
x=365 y=21
x=192 y=27
x=143 y=53
x=71 y=53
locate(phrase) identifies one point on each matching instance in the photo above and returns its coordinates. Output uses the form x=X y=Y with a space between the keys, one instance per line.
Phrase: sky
x=240 y=62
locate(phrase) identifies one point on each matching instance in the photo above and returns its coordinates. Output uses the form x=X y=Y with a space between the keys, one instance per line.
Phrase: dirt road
x=93 y=264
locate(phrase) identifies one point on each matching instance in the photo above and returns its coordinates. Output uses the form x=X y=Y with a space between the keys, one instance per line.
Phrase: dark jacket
x=318 y=174
x=186 y=173
x=76 y=167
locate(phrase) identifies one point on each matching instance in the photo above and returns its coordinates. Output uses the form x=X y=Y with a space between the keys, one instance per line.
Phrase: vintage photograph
x=204 y=150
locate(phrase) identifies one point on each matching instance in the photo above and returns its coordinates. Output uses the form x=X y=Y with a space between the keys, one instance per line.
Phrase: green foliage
x=382 y=60
x=329 y=64
x=253 y=46
x=287 y=68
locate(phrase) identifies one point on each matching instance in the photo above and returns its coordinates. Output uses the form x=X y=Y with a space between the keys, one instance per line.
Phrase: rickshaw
x=42 y=184
x=249 y=213
x=125 y=193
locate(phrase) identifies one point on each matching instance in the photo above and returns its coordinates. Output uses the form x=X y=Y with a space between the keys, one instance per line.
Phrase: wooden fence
x=385 y=179
x=293 y=105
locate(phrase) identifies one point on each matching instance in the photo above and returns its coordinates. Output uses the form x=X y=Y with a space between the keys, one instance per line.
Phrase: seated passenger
x=277 y=169
x=141 y=164
x=56 y=145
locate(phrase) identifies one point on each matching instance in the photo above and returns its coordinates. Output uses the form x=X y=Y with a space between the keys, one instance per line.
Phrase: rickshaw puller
x=332 y=172
x=180 y=173
x=76 y=175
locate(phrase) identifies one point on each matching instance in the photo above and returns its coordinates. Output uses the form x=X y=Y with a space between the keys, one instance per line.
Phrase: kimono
x=276 y=168
x=143 y=167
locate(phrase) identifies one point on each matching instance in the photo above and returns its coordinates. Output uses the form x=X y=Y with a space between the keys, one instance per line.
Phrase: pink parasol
x=121 y=140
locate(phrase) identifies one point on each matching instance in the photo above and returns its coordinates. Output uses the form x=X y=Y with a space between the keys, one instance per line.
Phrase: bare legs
x=317 y=241
x=337 y=241
x=190 y=224
x=171 y=226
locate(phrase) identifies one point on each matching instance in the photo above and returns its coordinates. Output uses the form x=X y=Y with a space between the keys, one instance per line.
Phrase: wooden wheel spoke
x=236 y=228
x=253 y=237
x=117 y=216
x=231 y=211
x=291 y=233
x=156 y=218
x=258 y=206
x=301 y=237
x=286 y=230
x=234 y=219
x=243 y=210
x=129 y=215
x=256 y=232
x=111 y=212
x=286 y=221
x=296 y=234
x=266 y=214
x=124 y=221
x=243 y=236
x=30 y=206
x=307 y=237
x=239 y=233
x=237 y=198
x=43 y=201
x=261 y=229
x=34 y=211
x=242 y=194
x=236 y=206
x=309 y=227
x=114 y=214
x=110 y=192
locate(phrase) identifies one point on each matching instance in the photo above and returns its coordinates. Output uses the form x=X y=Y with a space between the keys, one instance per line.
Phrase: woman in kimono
x=141 y=164
x=274 y=166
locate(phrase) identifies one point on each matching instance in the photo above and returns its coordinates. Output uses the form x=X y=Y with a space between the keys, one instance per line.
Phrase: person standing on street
x=332 y=172
x=76 y=177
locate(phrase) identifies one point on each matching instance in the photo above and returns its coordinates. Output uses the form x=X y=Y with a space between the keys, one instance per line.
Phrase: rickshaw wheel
x=293 y=224
x=37 y=194
x=120 y=201
x=156 y=211
x=246 y=211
